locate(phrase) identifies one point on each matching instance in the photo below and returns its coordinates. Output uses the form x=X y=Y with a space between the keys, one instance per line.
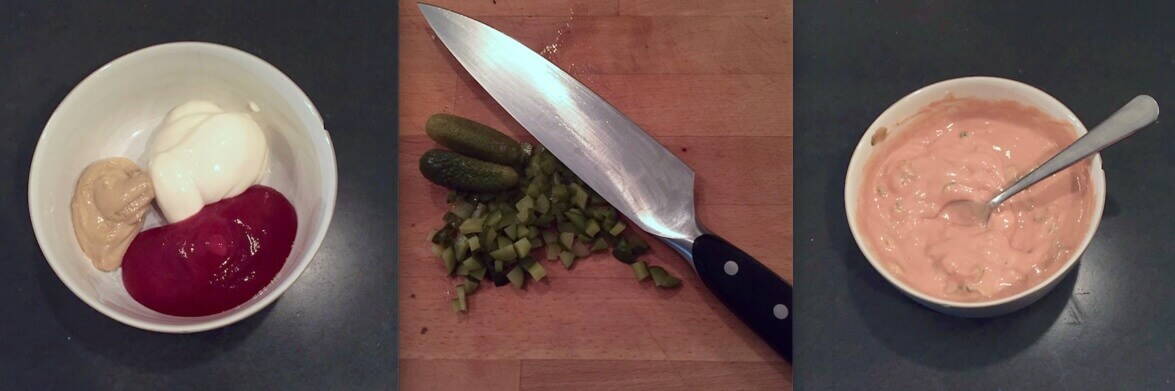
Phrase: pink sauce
x=215 y=260
x=970 y=149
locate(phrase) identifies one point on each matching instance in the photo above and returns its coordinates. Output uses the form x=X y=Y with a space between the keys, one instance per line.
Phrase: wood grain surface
x=711 y=80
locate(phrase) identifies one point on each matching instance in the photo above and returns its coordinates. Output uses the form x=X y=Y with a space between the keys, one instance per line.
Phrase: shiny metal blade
x=606 y=149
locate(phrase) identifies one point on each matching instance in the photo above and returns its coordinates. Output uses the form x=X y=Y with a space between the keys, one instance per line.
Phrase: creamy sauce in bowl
x=964 y=148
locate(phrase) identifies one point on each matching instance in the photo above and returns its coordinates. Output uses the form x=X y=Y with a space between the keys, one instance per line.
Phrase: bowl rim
x=1097 y=180
x=327 y=166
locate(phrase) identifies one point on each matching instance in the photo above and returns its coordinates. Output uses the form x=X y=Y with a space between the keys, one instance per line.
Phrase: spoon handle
x=1140 y=112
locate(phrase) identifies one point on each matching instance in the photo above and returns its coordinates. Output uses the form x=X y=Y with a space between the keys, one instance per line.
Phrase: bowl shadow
x=944 y=341
x=146 y=350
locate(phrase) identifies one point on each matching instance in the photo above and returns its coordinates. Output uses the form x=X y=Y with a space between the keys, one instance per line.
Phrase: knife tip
x=430 y=11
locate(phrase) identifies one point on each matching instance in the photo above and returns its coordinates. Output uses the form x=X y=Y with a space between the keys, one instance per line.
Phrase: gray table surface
x=336 y=327
x=1111 y=323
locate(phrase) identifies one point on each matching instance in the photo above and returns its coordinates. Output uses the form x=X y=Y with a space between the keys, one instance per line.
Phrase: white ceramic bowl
x=114 y=111
x=989 y=88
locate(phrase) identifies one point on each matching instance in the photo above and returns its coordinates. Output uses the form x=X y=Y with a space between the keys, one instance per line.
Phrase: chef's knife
x=620 y=162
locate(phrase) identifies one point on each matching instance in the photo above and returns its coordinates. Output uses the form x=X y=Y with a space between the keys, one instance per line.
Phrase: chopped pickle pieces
x=471 y=226
x=640 y=270
x=536 y=271
x=522 y=246
x=662 y=278
x=505 y=253
x=494 y=236
x=516 y=277
x=617 y=229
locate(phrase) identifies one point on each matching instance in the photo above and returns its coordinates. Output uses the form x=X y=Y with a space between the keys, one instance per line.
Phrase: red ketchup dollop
x=216 y=259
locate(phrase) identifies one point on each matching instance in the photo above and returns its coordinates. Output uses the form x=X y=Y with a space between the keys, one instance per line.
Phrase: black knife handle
x=753 y=292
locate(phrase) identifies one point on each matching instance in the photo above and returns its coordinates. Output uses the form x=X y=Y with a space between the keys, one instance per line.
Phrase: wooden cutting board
x=711 y=80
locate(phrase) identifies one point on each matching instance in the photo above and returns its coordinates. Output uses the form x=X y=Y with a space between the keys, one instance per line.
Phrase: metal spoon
x=1140 y=112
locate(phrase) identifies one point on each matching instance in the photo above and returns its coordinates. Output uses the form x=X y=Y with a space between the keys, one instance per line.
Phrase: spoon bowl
x=967 y=213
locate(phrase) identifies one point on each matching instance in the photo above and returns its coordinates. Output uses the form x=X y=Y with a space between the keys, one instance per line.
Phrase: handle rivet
x=780 y=311
x=730 y=268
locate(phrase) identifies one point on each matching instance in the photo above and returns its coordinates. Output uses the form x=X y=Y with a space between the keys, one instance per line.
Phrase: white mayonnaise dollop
x=202 y=154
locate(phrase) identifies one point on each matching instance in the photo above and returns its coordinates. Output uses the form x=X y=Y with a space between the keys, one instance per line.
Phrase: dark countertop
x=334 y=328
x=1111 y=323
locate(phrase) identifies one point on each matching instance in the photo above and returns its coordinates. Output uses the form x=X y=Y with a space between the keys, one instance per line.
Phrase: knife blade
x=622 y=163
